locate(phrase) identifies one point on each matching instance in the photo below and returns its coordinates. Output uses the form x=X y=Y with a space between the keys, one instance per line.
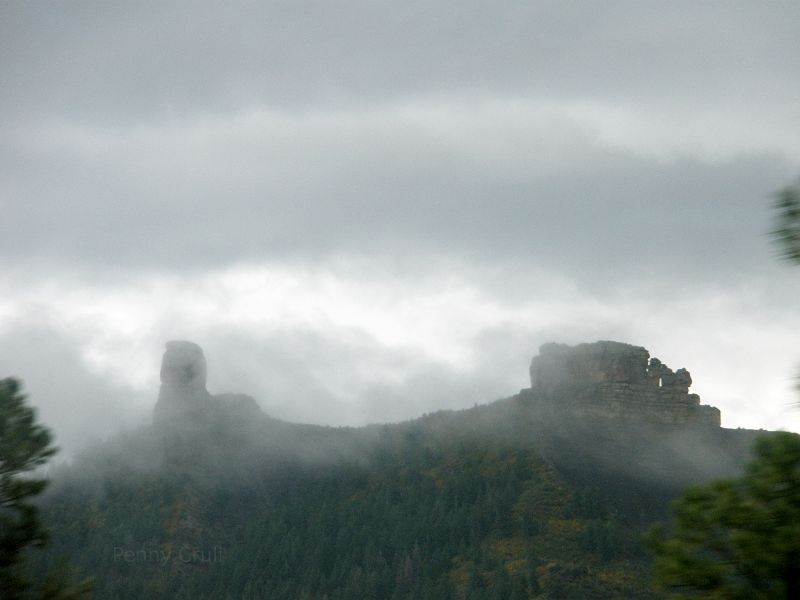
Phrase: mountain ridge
x=543 y=494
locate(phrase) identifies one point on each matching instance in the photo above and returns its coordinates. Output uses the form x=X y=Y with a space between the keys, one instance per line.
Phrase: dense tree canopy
x=433 y=510
x=738 y=538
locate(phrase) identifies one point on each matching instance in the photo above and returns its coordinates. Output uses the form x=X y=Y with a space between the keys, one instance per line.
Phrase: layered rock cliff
x=612 y=380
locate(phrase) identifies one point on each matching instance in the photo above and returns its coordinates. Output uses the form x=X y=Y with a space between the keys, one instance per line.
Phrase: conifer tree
x=738 y=538
x=24 y=446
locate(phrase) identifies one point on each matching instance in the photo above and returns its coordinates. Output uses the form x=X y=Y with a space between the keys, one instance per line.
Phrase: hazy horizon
x=368 y=211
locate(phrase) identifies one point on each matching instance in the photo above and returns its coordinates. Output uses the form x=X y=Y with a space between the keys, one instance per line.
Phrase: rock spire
x=183 y=400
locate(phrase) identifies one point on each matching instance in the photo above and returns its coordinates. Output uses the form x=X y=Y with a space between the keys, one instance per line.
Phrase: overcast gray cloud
x=268 y=186
x=118 y=60
x=384 y=208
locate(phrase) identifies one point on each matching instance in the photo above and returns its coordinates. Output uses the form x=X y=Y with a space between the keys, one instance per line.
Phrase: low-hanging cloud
x=78 y=404
x=350 y=347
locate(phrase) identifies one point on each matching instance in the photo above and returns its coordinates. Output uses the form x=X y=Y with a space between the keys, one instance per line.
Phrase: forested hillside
x=527 y=497
x=420 y=516
x=478 y=504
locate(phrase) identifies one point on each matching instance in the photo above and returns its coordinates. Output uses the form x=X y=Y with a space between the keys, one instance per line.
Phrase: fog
x=375 y=211
x=633 y=463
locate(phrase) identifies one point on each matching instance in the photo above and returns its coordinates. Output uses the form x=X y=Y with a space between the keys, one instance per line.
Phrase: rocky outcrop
x=601 y=362
x=604 y=380
x=612 y=380
x=184 y=403
x=183 y=397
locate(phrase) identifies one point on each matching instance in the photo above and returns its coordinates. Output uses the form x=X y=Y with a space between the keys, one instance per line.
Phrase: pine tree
x=24 y=446
x=738 y=538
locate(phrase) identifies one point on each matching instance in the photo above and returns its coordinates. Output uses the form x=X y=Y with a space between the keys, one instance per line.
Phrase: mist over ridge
x=357 y=222
x=381 y=201
x=567 y=473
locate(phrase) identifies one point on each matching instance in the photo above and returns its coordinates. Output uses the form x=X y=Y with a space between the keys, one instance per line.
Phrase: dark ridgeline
x=543 y=494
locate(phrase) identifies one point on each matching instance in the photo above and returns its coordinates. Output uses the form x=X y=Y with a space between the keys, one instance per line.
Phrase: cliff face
x=603 y=380
x=612 y=380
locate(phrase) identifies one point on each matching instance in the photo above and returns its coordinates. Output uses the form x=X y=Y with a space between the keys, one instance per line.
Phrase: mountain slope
x=522 y=498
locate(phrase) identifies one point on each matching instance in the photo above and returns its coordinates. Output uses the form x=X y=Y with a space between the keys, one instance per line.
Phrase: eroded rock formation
x=183 y=400
x=603 y=380
x=615 y=380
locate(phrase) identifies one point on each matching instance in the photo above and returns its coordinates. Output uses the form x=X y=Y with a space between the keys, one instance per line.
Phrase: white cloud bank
x=344 y=346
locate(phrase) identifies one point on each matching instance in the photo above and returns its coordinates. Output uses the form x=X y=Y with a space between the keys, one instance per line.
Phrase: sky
x=367 y=211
